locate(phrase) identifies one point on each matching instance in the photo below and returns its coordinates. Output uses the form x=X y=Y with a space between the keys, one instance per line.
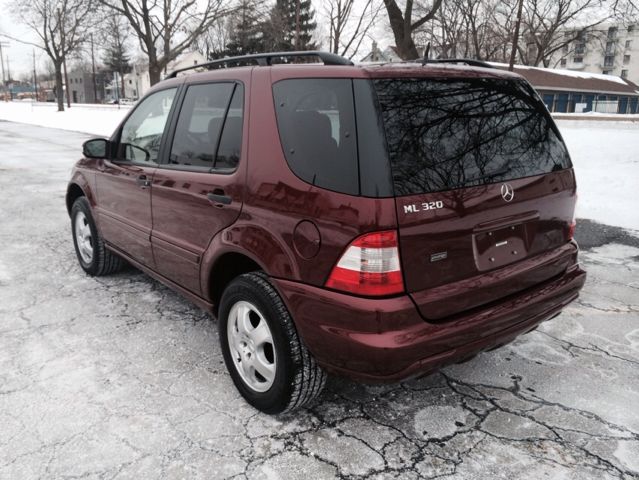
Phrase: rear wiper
x=491 y=175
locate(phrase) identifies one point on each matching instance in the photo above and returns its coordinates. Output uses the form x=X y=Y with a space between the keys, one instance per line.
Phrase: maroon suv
x=375 y=221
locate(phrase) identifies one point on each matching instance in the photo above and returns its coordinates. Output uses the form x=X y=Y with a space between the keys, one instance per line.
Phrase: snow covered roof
x=569 y=80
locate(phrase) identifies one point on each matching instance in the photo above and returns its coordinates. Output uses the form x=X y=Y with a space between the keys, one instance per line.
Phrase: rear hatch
x=485 y=191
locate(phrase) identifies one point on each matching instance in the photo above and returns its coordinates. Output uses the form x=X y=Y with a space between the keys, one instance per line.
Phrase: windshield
x=454 y=133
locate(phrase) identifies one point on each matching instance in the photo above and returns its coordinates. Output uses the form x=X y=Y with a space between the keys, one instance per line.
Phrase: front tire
x=270 y=366
x=93 y=256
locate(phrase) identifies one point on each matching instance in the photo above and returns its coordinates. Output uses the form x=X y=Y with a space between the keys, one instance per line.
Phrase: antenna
x=426 y=52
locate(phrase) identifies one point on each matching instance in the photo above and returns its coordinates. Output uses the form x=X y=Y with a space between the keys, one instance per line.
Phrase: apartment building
x=611 y=49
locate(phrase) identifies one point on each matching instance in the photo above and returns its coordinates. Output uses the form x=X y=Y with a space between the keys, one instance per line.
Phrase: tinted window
x=228 y=153
x=199 y=124
x=142 y=132
x=316 y=121
x=446 y=134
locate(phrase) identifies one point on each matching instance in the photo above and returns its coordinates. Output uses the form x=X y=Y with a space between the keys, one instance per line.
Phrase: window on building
x=610 y=47
x=624 y=74
x=578 y=59
x=607 y=72
x=563 y=62
x=628 y=43
x=631 y=28
x=609 y=61
x=580 y=48
x=626 y=59
x=612 y=33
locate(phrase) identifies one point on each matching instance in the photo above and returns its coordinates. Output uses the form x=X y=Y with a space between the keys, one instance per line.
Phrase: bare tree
x=166 y=28
x=403 y=26
x=349 y=23
x=546 y=22
x=61 y=26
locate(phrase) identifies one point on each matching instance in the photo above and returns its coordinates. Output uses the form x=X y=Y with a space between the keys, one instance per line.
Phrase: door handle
x=218 y=198
x=143 y=181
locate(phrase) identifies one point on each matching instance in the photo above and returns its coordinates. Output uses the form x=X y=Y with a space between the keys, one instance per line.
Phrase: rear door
x=124 y=181
x=198 y=190
x=484 y=189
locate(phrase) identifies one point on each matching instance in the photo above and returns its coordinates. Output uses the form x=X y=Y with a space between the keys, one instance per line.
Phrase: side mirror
x=95 y=148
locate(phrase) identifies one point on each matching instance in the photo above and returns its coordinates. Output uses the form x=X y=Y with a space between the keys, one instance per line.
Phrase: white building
x=611 y=49
x=137 y=82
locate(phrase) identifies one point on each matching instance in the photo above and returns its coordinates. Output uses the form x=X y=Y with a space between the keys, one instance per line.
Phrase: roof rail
x=467 y=61
x=265 y=59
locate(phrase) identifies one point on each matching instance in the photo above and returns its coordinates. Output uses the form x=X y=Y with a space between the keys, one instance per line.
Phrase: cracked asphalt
x=119 y=377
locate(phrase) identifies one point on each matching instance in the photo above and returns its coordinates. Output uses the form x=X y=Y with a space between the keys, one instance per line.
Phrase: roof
x=569 y=80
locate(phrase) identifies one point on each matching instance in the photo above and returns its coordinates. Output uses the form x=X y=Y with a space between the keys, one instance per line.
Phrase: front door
x=124 y=181
x=198 y=191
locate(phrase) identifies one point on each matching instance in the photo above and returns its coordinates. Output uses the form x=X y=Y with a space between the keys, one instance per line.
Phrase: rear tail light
x=370 y=266
x=573 y=224
x=571 y=230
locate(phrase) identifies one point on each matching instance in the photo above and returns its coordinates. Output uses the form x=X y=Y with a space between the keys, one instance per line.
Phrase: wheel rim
x=83 y=237
x=251 y=345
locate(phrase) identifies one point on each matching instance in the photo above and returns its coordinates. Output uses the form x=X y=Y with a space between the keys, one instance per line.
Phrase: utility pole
x=35 y=77
x=3 y=44
x=513 y=52
x=95 y=86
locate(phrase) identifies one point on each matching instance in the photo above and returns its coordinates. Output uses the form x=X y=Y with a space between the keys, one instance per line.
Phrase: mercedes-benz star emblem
x=507 y=192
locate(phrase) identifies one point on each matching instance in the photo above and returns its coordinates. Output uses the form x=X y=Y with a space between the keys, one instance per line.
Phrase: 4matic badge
x=419 y=207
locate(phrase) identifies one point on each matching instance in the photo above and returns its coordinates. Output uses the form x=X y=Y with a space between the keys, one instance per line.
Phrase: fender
x=83 y=178
x=253 y=241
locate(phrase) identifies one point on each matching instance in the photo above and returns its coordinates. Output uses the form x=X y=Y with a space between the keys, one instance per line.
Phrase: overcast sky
x=20 y=56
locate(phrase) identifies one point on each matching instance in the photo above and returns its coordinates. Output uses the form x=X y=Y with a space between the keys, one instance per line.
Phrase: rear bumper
x=387 y=340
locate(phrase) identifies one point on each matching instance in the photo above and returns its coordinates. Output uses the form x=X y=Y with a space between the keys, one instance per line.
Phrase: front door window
x=143 y=130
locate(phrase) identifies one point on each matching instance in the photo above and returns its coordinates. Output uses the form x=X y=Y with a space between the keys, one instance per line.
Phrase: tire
x=93 y=256
x=292 y=377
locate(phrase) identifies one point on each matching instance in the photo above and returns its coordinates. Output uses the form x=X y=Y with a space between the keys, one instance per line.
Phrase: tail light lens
x=573 y=224
x=370 y=266
x=571 y=230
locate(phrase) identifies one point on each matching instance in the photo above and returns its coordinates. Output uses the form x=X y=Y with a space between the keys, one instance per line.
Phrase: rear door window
x=200 y=124
x=455 y=133
x=316 y=122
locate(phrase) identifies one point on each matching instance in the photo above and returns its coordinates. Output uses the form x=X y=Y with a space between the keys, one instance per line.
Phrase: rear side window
x=447 y=134
x=200 y=124
x=316 y=122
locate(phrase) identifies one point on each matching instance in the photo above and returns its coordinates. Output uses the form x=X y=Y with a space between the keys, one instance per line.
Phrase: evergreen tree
x=246 y=34
x=291 y=26
x=116 y=57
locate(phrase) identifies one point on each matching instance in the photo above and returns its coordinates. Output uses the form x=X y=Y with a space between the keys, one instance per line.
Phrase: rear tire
x=257 y=334
x=93 y=256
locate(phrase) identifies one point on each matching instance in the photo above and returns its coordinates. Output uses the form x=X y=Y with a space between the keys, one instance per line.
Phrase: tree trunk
x=154 y=73
x=66 y=82
x=122 y=95
x=59 y=93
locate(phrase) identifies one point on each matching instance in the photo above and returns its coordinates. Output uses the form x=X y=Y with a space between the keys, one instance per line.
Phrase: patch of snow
x=604 y=155
x=568 y=73
x=99 y=120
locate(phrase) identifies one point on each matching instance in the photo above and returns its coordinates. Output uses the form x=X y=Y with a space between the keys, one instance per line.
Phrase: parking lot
x=118 y=377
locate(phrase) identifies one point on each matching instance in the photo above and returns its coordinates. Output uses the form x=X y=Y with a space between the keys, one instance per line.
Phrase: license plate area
x=501 y=246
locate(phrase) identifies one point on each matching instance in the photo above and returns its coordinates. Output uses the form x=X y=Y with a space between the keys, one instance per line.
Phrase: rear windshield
x=454 y=133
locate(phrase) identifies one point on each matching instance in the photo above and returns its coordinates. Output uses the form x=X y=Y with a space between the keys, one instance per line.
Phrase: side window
x=316 y=122
x=228 y=153
x=199 y=125
x=142 y=132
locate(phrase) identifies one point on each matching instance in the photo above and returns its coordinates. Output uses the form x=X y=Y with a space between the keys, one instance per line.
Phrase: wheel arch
x=226 y=267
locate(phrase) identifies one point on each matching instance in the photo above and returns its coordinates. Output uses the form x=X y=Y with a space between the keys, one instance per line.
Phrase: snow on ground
x=604 y=154
x=94 y=119
x=606 y=160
